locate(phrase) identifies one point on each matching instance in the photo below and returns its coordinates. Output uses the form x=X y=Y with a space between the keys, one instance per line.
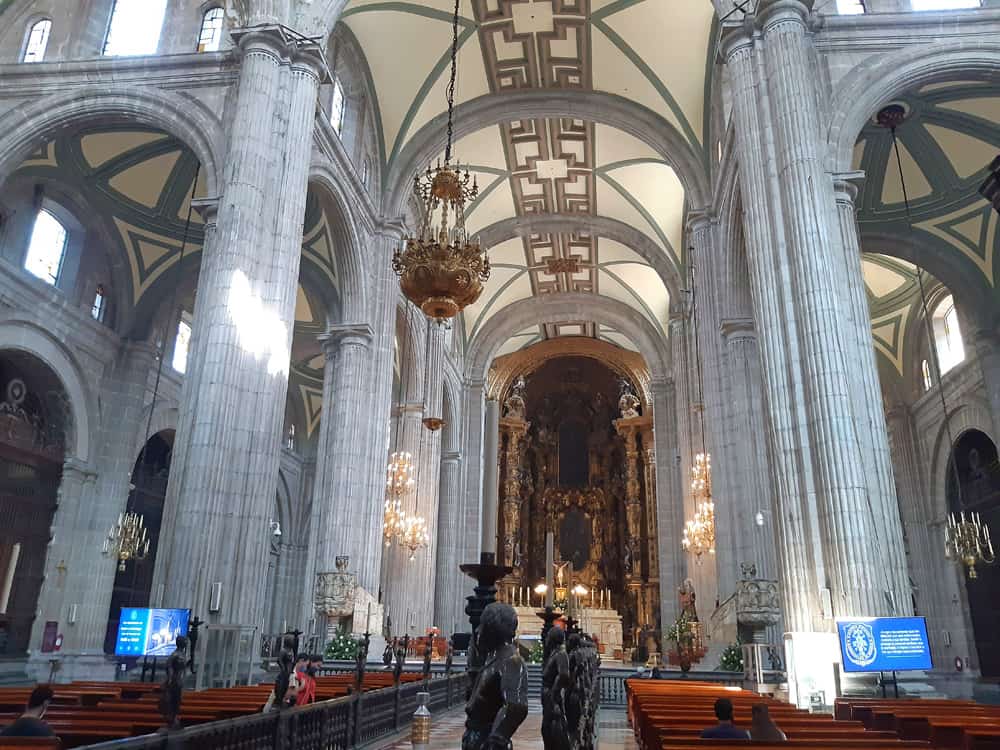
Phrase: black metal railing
x=338 y=724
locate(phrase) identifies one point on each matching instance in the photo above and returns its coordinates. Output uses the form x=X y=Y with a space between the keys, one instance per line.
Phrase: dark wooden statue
x=401 y=650
x=387 y=654
x=286 y=664
x=193 y=629
x=498 y=701
x=584 y=692
x=555 y=683
x=173 y=685
x=428 y=651
x=449 y=658
x=361 y=661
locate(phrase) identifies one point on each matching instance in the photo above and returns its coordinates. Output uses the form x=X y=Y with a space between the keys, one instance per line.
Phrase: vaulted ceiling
x=654 y=53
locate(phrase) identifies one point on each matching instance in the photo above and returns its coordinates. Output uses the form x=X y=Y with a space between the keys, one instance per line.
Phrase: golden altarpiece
x=576 y=459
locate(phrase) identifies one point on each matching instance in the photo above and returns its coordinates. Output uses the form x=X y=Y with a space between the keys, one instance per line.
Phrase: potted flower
x=682 y=635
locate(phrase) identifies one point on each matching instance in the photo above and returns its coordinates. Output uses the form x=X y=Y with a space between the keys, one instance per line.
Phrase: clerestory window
x=38 y=40
x=210 y=38
x=46 y=248
x=135 y=27
x=337 y=107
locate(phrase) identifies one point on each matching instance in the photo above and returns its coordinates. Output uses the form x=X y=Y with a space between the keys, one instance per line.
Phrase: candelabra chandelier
x=967 y=542
x=127 y=539
x=699 y=533
x=414 y=535
x=442 y=270
x=398 y=483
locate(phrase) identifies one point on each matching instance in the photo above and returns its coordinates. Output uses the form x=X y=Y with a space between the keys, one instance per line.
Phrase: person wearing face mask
x=307 y=680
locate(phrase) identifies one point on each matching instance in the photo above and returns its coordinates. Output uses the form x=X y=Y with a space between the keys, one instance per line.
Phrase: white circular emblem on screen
x=859 y=643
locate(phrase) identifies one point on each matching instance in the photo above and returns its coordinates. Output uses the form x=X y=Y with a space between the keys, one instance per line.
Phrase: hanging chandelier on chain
x=399 y=482
x=699 y=532
x=127 y=539
x=441 y=269
x=967 y=542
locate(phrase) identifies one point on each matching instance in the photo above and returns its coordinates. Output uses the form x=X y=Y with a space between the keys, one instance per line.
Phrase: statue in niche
x=628 y=558
x=687 y=597
x=173 y=685
x=555 y=683
x=514 y=406
x=628 y=402
x=498 y=701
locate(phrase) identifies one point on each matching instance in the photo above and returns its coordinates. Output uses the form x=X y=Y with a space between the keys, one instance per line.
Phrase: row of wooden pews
x=670 y=715
x=84 y=713
x=943 y=723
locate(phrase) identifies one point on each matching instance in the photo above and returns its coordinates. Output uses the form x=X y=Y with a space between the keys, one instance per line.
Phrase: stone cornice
x=207 y=209
x=880 y=32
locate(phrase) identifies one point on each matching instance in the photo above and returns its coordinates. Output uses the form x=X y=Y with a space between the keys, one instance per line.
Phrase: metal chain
x=451 y=82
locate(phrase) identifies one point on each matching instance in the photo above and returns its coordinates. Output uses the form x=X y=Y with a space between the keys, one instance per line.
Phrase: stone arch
x=27 y=337
x=596 y=106
x=557 y=308
x=348 y=246
x=875 y=80
x=24 y=128
x=165 y=418
x=974 y=415
x=598 y=226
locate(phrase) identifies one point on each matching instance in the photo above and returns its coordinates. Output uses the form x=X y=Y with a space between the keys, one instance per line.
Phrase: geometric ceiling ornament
x=149 y=255
x=881 y=281
x=143 y=182
x=968 y=155
x=312 y=398
x=100 y=148
x=917 y=185
x=973 y=232
x=887 y=334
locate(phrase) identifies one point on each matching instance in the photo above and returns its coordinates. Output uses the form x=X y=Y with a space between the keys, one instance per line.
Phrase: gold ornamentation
x=433 y=423
x=967 y=542
x=127 y=539
x=699 y=533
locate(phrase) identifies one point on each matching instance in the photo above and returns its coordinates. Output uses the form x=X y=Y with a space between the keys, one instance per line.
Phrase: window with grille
x=182 y=343
x=135 y=27
x=337 y=108
x=46 y=248
x=210 y=38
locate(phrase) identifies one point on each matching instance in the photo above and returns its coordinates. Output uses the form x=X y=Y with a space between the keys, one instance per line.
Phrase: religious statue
x=560 y=574
x=555 y=683
x=193 y=627
x=402 y=647
x=498 y=701
x=428 y=652
x=687 y=600
x=335 y=592
x=583 y=695
x=628 y=402
x=387 y=654
x=515 y=406
x=361 y=660
x=173 y=685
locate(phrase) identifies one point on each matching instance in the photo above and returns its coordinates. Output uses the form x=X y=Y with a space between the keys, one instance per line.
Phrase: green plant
x=343 y=646
x=535 y=655
x=732 y=658
x=681 y=632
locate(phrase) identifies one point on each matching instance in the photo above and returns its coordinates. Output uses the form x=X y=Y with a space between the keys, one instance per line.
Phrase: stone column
x=791 y=245
x=512 y=432
x=670 y=513
x=988 y=353
x=342 y=506
x=222 y=481
x=447 y=595
x=491 y=476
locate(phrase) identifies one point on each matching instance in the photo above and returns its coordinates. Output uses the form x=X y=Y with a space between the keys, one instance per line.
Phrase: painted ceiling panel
x=143 y=183
x=99 y=148
x=881 y=281
x=611 y=287
x=518 y=341
x=611 y=250
x=501 y=281
x=917 y=185
x=614 y=146
x=986 y=107
x=510 y=252
x=492 y=205
x=482 y=149
x=617 y=206
x=966 y=153
x=645 y=284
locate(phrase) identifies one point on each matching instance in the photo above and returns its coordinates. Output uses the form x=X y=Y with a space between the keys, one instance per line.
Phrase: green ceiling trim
x=667 y=245
x=325 y=264
x=398 y=6
x=642 y=303
x=647 y=72
x=981 y=252
x=480 y=318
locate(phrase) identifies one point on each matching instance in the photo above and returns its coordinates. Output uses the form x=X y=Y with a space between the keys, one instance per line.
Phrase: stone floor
x=446 y=732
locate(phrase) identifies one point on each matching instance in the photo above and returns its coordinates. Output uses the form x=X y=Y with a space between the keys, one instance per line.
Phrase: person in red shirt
x=306 y=673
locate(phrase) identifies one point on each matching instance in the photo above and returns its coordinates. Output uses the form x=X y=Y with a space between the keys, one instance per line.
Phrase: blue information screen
x=150 y=632
x=884 y=644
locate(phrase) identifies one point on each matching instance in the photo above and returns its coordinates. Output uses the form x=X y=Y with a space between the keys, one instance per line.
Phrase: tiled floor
x=446 y=732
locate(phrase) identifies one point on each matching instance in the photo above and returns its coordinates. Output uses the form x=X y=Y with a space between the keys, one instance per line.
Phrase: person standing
x=30 y=723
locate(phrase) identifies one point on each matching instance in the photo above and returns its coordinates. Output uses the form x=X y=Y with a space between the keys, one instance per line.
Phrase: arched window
x=947 y=335
x=182 y=343
x=337 y=107
x=925 y=374
x=850 y=7
x=46 y=248
x=100 y=302
x=211 y=30
x=38 y=40
x=944 y=4
x=135 y=27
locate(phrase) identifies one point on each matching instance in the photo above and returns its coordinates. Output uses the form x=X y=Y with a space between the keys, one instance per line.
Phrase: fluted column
x=491 y=475
x=866 y=396
x=447 y=590
x=670 y=515
x=340 y=496
x=223 y=476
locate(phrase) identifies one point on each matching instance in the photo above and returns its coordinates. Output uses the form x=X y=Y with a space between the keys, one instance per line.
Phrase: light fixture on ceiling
x=441 y=269
x=699 y=532
x=967 y=539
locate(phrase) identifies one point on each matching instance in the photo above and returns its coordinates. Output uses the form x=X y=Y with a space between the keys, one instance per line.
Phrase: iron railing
x=339 y=724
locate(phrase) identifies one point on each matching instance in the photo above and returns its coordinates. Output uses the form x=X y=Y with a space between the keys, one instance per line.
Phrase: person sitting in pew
x=762 y=726
x=30 y=723
x=724 y=730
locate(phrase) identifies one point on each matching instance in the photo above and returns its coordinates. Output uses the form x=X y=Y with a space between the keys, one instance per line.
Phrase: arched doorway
x=34 y=419
x=978 y=470
x=148 y=492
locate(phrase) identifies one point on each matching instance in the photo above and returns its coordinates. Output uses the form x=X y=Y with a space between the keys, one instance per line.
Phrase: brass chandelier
x=398 y=483
x=699 y=532
x=967 y=541
x=127 y=539
x=441 y=269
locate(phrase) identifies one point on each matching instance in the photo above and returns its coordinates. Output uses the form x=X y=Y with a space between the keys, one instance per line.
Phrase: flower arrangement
x=537 y=650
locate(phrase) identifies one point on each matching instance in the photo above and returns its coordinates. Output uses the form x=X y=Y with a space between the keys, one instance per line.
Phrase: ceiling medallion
x=440 y=269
